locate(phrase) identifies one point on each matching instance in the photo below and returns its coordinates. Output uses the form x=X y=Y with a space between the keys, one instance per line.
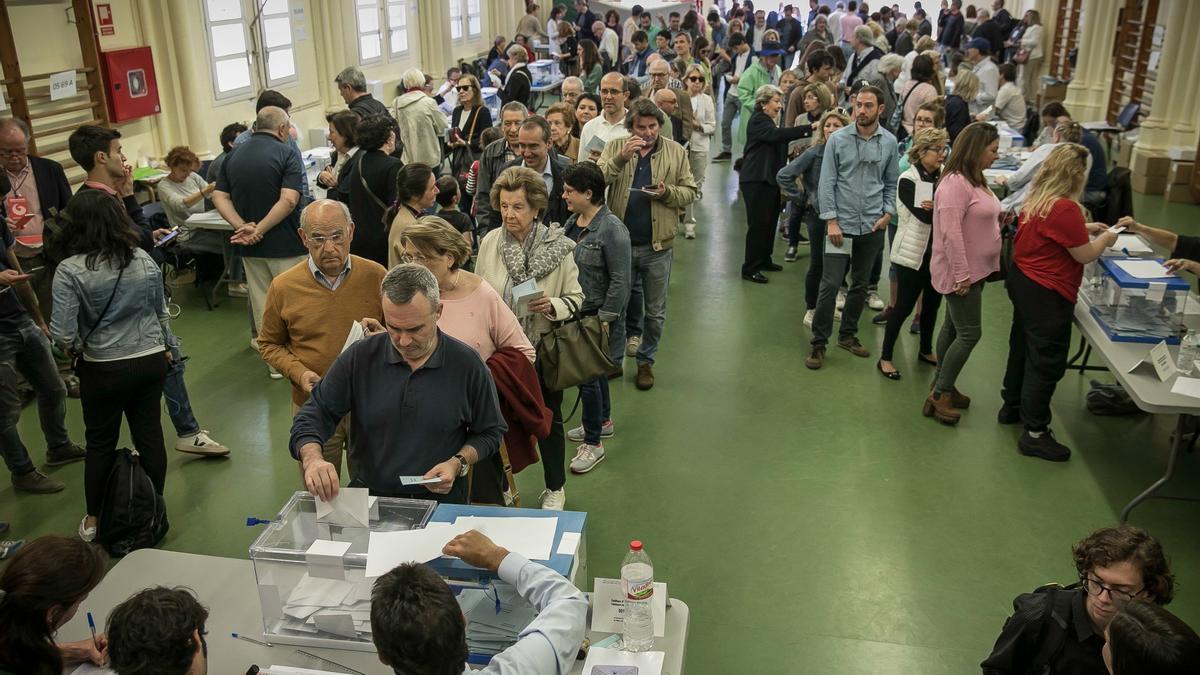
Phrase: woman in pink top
x=472 y=311
x=966 y=250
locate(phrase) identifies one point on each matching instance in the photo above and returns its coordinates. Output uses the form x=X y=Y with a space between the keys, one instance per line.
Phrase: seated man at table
x=421 y=403
x=158 y=631
x=418 y=626
x=1061 y=630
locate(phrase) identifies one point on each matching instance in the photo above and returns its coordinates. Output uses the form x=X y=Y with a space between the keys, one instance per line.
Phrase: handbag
x=388 y=212
x=1007 y=232
x=1022 y=56
x=573 y=351
x=103 y=312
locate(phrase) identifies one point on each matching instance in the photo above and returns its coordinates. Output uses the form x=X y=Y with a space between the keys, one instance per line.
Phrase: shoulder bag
x=103 y=313
x=385 y=219
x=462 y=158
x=573 y=351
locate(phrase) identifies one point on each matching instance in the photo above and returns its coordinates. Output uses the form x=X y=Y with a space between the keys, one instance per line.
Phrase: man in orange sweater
x=310 y=308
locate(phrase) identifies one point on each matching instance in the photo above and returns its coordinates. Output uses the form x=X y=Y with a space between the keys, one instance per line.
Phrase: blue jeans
x=27 y=351
x=179 y=407
x=863 y=251
x=597 y=407
x=653 y=269
x=632 y=316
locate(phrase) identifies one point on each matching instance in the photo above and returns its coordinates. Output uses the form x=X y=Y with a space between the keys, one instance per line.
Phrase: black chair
x=1033 y=125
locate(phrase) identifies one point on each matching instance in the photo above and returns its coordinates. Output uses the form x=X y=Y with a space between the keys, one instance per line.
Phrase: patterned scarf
x=540 y=254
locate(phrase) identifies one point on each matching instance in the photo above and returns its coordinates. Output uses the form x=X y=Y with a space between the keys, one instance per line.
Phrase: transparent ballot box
x=544 y=71
x=1132 y=307
x=308 y=601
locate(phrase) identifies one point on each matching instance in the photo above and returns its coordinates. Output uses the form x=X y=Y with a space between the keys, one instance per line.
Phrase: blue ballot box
x=1133 y=299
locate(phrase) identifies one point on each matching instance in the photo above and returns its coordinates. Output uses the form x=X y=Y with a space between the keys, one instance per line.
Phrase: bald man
x=310 y=308
x=661 y=78
x=668 y=102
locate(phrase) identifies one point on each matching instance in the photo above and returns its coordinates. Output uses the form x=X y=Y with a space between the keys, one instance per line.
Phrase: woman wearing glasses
x=416 y=191
x=470 y=116
x=704 y=125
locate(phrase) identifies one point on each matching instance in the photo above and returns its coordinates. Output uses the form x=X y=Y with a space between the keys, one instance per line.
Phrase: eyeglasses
x=419 y=259
x=14 y=152
x=611 y=92
x=1095 y=587
x=465 y=87
x=695 y=79
x=318 y=241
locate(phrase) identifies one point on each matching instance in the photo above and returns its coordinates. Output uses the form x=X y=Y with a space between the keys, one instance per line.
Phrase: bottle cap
x=635 y=545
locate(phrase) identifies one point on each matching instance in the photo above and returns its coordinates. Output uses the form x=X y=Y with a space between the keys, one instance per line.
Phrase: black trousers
x=108 y=391
x=554 y=447
x=1038 y=345
x=762 y=215
x=910 y=284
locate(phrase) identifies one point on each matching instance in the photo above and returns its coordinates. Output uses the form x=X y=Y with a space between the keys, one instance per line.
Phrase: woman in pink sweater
x=966 y=250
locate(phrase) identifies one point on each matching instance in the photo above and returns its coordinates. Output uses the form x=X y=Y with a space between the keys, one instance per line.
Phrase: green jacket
x=752 y=78
x=669 y=165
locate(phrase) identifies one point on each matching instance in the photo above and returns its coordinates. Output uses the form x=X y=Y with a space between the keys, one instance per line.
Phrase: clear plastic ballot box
x=1133 y=305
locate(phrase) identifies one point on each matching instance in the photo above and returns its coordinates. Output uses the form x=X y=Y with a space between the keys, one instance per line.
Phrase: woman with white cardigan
x=522 y=250
x=911 y=248
x=704 y=125
x=1031 y=39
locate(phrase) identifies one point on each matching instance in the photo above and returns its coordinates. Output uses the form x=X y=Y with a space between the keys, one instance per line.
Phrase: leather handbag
x=1022 y=56
x=573 y=351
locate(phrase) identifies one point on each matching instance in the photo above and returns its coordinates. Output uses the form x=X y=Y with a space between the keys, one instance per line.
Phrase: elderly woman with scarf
x=522 y=250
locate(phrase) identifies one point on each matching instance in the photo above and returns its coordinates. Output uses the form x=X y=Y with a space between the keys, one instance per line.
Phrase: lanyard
x=24 y=174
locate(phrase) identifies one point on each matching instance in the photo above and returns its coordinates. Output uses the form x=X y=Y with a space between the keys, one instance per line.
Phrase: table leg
x=1176 y=447
x=1079 y=351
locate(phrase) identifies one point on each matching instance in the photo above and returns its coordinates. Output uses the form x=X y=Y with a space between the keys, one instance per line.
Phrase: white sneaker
x=808 y=318
x=201 y=444
x=576 y=435
x=632 y=345
x=689 y=231
x=87 y=534
x=841 y=300
x=238 y=291
x=275 y=374
x=875 y=302
x=554 y=500
x=587 y=457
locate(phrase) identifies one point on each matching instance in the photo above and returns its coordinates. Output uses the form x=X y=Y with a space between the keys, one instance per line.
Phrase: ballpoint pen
x=247 y=639
x=92 y=625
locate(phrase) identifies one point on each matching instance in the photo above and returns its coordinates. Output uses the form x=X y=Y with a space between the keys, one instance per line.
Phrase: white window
x=465 y=19
x=229 y=47
x=397 y=22
x=275 y=23
x=456 y=19
x=370 y=33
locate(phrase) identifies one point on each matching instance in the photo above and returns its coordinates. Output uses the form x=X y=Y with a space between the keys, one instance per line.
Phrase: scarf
x=540 y=254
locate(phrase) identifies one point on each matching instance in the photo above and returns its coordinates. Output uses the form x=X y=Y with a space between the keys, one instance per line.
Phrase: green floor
x=814 y=522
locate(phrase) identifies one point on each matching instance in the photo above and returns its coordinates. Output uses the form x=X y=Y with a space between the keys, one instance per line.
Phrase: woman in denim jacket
x=109 y=310
x=602 y=253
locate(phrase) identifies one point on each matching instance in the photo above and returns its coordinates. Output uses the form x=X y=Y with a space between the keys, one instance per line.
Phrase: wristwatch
x=462 y=464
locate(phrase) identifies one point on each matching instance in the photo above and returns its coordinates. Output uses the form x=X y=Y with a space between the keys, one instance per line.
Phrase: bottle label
x=639 y=590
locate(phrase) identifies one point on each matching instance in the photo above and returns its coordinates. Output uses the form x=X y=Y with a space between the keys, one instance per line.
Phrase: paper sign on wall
x=62 y=85
x=104 y=19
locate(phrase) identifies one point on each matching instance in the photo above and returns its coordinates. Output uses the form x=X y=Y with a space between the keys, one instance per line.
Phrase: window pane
x=455 y=29
x=278 y=32
x=399 y=41
x=473 y=27
x=232 y=74
x=228 y=39
x=224 y=10
x=473 y=7
x=455 y=9
x=368 y=3
x=275 y=7
x=281 y=64
x=397 y=16
x=369 y=47
x=368 y=20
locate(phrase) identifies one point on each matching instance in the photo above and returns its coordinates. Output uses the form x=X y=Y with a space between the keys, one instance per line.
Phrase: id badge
x=17 y=208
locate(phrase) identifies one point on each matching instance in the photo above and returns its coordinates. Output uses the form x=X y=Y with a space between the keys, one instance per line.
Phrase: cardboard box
x=1181 y=173
x=1143 y=164
x=1149 y=185
x=1124 y=154
x=1181 y=193
x=1053 y=92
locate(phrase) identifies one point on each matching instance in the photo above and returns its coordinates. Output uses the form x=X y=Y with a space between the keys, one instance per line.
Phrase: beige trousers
x=259 y=274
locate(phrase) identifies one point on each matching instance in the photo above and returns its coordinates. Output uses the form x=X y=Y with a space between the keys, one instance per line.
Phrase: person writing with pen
x=421 y=403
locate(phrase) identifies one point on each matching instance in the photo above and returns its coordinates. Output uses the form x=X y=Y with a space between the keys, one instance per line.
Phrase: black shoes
x=772 y=267
x=1009 y=414
x=1043 y=446
x=723 y=157
x=894 y=375
x=757 y=278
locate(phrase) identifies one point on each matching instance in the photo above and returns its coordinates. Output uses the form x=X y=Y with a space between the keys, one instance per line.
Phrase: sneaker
x=632 y=345
x=881 y=318
x=576 y=435
x=915 y=326
x=274 y=374
x=86 y=533
x=816 y=359
x=587 y=457
x=9 y=547
x=200 y=443
x=854 y=346
x=254 y=344
x=874 y=301
x=238 y=291
x=1043 y=446
x=723 y=157
x=791 y=254
x=554 y=500
x=1009 y=414
x=645 y=376
x=841 y=300
x=38 y=483
x=689 y=231
x=64 y=454
x=808 y=318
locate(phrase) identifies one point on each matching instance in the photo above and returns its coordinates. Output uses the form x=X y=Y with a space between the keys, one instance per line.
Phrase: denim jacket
x=137 y=320
x=603 y=254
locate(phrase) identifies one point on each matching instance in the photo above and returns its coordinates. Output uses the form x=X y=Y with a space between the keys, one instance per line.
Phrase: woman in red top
x=1049 y=252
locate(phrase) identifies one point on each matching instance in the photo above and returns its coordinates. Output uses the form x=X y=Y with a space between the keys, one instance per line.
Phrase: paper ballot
x=531 y=537
x=1144 y=269
x=348 y=509
x=524 y=292
x=1130 y=243
x=386 y=550
x=923 y=192
x=357 y=332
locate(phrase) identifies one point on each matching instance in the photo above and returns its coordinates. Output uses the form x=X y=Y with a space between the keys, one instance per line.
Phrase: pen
x=243 y=637
x=92 y=625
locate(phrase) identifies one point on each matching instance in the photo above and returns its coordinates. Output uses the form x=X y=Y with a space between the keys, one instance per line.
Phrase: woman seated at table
x=1051 y=247
x=1018 y=183
x=182 y=193
x=40 y=591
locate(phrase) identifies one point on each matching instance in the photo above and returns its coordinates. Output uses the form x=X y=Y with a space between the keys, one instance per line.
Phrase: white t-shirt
x=599 y=127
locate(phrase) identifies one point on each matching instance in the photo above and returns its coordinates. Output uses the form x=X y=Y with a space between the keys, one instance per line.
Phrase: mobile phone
x=167 y=238
x=31 y=270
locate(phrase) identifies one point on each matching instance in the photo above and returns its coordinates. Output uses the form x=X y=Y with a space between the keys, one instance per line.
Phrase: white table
x=541 y=90
x=227 y=587
x=1143 y=386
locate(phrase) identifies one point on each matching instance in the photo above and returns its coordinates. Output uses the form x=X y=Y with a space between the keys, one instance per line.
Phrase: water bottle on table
x=1189 y=352
x=637 y=582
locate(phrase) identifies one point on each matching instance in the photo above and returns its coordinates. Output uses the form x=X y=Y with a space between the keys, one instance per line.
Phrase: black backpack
x=133 y=515
x=1055 y=620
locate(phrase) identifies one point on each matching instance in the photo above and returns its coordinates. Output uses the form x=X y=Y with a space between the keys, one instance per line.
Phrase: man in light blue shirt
x=417 y=625
x=856 y=199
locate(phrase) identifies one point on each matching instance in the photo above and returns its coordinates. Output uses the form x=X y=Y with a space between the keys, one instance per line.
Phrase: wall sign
x=62 y=85
x=104 y=19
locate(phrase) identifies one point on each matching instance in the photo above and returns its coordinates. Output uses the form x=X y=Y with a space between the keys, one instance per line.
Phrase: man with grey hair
x=572 y=89
x=257 y=193
x=311 y=307
x=352 y=85
x=608 y=42
x=862 y=62
x=495 y=156
x=517 y=84
x=421 y=403
x=422 y=123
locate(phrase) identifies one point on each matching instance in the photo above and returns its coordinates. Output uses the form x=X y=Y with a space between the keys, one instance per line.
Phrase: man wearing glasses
x=610 y=123
x=1061 y=630
x=310 y=308
x=533 y=146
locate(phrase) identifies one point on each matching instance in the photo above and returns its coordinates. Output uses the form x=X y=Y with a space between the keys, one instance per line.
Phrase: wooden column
x=14 y=90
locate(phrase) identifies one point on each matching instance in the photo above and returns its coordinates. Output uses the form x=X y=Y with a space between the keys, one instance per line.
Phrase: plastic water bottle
x=1189 y=352
x=637 y=582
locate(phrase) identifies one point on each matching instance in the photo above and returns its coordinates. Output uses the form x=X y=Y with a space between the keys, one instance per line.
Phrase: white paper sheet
x=1144 y=269
x=1188 y=386
x=292 y=670
x=338 y=623
x=608 y=606
x=357 y=332
x=523 y=293
x=89 y=669
x=531 y=537
x=386 y=550
x=314 y=591
x=648 y=663
x=1130 y=243
x=923 y=192
x=324 y=559
x=569 y=543
x=349 y=508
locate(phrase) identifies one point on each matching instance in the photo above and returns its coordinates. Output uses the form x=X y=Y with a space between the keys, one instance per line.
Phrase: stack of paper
x=490 y=631
x=337 y=606
x=531 y=537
